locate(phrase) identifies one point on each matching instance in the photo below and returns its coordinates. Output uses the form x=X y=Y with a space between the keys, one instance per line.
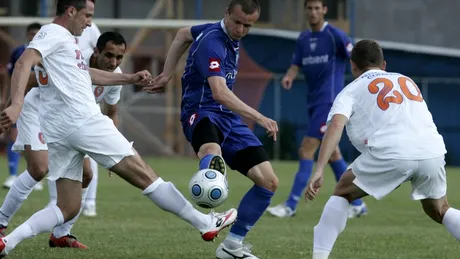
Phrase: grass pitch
x=129 y=225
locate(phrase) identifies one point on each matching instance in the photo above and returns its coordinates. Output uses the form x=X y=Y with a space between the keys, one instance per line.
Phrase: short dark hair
x=367 y=53
x=248 y=6
x=306 y=2
x=62 y=5
x=110 y=36
x=33 y=26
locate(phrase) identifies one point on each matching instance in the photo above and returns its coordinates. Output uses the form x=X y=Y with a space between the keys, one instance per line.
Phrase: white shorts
x=379 y=177
x=29 y=132
x=98 y=138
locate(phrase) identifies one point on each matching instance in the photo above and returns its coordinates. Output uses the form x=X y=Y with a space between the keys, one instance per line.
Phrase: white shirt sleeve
x=343 y=104
x=114 y=92
x=46 y=42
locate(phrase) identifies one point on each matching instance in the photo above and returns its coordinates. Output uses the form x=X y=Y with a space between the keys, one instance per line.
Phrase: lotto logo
x=192 y=119
x=214 y=65
x=41 y=138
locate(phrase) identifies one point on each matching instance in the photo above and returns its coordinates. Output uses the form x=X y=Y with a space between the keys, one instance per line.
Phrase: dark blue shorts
x=318 y=118
x=234 y=135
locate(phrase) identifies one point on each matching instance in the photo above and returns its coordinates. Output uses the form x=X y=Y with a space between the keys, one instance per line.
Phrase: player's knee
x=436 y=209
x=308 y=148
x=263 y=176
x=38 y=170
x=209 y=148
x=87 y=177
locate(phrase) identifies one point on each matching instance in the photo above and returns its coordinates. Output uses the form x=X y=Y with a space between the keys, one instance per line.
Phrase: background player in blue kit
x=13 y=157
x=322 y=54
x=211 y=113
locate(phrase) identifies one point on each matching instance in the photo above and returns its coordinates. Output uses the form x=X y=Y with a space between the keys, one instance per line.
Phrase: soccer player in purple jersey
x=322 y=54
x=211 y=113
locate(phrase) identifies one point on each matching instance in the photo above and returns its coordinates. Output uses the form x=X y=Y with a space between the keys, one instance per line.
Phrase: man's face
x=110 y=57
x=31 y=34
x=79 y=20
x=238 y=23
x=315 y=12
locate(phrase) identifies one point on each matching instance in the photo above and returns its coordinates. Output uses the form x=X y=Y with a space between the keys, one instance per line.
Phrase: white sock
x=92 y=188
x=64 y=229
x=332 y=223
x=18 y=193
x=167 y=197
x=452 y=222
x=42 y=221
x=53 y=192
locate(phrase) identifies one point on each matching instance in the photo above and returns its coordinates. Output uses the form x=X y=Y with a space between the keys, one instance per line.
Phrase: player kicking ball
x=211 y=113
x=73 y=125
x=398 y=141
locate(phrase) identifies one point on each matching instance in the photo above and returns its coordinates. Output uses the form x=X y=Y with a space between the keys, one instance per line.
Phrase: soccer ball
x=208 y=188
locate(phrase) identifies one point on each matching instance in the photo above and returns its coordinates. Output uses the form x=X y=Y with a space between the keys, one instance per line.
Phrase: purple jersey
x=212 y=53
x=323 y=57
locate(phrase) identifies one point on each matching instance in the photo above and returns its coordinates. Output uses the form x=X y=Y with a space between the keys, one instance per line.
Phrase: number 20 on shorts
x=383 y=101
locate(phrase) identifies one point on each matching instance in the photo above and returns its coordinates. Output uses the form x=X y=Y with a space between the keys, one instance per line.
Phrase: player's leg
x=13 y=158
x=429 y=186
x=61 y=236
x=335 y=213
x=357 y=207
x=307 y=151
x=37 y=168
x=244 y=153
x=102 y=137
x=206 y=137
x=90 y=205
x=65 y=164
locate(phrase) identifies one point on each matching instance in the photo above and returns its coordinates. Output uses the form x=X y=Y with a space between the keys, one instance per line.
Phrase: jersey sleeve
x=196 y=30
x=297 y=57
x=343 y=104
x=46 y=42
x=113 y=95
x=209 y=56
x=345 y=46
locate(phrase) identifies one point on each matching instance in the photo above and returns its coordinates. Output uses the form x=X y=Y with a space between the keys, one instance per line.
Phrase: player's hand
x=9 y=116
x=315 y=183
x=157 y=84
x=140 y=77
x=286 y=82
x=269 y=125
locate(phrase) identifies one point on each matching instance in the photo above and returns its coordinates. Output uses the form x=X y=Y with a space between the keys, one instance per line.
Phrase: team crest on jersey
x=214 y=65
x=41 y=138
x=98 y=91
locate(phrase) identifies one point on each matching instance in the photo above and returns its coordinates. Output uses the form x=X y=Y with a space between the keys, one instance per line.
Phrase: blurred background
x=419 y=38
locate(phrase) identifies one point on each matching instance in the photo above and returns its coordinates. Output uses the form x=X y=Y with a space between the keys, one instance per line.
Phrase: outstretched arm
x=178 y=47
x=104 y=78
x=224 y=96
x=22 y=78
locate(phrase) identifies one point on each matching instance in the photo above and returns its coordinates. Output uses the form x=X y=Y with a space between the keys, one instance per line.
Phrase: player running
x=322 y=54
x=73 y=125
x=388 y=121
x=109 y=53
x=211 y=113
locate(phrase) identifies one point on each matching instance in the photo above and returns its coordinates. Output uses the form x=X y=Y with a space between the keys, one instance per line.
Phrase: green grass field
x=129 y=225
